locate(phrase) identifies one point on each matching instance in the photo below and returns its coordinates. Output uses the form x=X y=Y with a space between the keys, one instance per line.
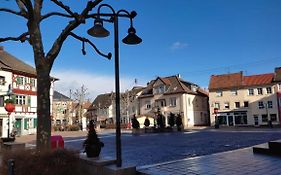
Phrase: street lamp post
x=99 y=31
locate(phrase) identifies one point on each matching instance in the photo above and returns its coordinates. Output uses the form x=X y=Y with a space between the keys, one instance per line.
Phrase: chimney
x=179 y=75
x=277 y=74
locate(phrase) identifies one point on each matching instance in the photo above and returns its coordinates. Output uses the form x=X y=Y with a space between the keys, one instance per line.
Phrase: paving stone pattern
x=238 y=162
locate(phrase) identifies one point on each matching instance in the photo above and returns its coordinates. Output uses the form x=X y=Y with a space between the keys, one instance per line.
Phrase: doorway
x=230 y=120
x=18 y=127
x=256 y=120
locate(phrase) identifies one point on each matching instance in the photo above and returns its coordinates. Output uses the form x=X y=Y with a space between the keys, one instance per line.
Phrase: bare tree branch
x=66 y=8
x=28 y=6
x=55 y=14
x=38 y=7
x=54 y=51
x=22 y=38
x=21 y=7
x=14 y=12
x=108 y=56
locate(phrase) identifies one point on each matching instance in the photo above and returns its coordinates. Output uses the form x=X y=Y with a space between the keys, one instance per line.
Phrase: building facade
x=174 y=95
x=18 y=81
x=245 y=100
x=103 y=109
x=61 y=110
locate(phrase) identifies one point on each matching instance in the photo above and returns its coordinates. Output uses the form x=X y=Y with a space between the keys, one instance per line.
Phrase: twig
x=55 y=14
x=22 y=38
x=14 y=12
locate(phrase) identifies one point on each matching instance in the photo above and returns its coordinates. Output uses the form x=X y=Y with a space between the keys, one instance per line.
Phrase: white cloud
x=95 y=83
x=178 y=45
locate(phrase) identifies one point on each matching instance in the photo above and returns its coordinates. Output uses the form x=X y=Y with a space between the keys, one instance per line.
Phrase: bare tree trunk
x=43 y=109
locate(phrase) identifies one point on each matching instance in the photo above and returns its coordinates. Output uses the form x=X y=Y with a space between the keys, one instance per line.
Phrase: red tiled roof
x=237 y=80
x=261 y=79
x=225 y=81
x=165 y=80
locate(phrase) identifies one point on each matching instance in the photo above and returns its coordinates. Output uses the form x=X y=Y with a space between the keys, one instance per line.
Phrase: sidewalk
x=237 y=162
x=32 y=138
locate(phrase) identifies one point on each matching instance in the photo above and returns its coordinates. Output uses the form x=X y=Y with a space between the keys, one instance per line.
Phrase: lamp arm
x=108 y=56
x=131 y=15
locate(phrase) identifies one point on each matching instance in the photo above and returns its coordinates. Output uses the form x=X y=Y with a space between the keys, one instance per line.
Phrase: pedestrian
x=146 y=122
x=179 y=122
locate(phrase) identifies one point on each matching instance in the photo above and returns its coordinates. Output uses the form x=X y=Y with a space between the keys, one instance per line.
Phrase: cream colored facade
x=243 y=107
x=192 y=107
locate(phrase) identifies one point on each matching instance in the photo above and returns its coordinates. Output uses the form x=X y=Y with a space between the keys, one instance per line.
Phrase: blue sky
x=194 y=38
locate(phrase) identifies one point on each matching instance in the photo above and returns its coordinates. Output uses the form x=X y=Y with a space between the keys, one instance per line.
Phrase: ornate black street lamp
x=99 y=31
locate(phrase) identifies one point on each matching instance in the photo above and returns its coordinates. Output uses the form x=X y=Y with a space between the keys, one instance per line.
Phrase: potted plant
x=92 y=145
x=9 y=107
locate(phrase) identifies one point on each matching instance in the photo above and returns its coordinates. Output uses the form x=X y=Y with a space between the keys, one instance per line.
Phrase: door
x=256 y=119
x=230 y=120
x=18 y=127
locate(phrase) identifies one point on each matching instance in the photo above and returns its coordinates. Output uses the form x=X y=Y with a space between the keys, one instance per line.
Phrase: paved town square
x=147 y=149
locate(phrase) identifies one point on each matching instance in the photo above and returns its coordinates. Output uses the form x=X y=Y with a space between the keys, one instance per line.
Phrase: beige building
x=61 y=110
x=245 y=100
x=174 y=95
x=103 y=109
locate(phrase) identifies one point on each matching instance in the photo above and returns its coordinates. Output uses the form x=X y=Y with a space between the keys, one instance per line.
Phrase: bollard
x=11 y=167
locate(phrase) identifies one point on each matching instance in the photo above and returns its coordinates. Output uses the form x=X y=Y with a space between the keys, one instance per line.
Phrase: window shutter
x=35 y=123
x=25 y=123
x=28 y=100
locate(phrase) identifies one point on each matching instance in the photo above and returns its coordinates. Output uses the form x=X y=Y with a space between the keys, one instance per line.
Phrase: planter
x=93 y=150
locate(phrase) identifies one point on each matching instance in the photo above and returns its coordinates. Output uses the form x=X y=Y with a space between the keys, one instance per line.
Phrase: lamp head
x=98 y=30
x=132 y=38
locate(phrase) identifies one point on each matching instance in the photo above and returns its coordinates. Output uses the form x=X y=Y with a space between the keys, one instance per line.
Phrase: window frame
x=251 y=92
x=259 y=91
x=261 y=105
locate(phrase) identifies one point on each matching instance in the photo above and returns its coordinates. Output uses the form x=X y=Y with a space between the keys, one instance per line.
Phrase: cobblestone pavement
x=237 y=162
x=149 y=149
x=177 y=150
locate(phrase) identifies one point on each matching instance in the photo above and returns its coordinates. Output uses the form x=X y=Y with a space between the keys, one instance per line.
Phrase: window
x=20 y=100
x=264 y=118
x=259 y=91
x=273 y=117
x=241 y=119
x=147 y=105
x=2 y=80
x=160 y=103
x=19 y=80
x=237 y=104
x=161 y=89
x=32 y=82
x=189 y=102
x=219 y=94
x=251 y=91
x=269 y=104
x=217 y=105
x=261 y=106
x=234 y=92
x=173 y=101
x=268 y=90
x=226 y=105
x=222 y=120
x=1 y=100
x=246 y=104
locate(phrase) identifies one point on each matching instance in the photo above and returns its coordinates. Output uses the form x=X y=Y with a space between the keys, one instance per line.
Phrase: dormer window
x=219 y=93
x=160 y=89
